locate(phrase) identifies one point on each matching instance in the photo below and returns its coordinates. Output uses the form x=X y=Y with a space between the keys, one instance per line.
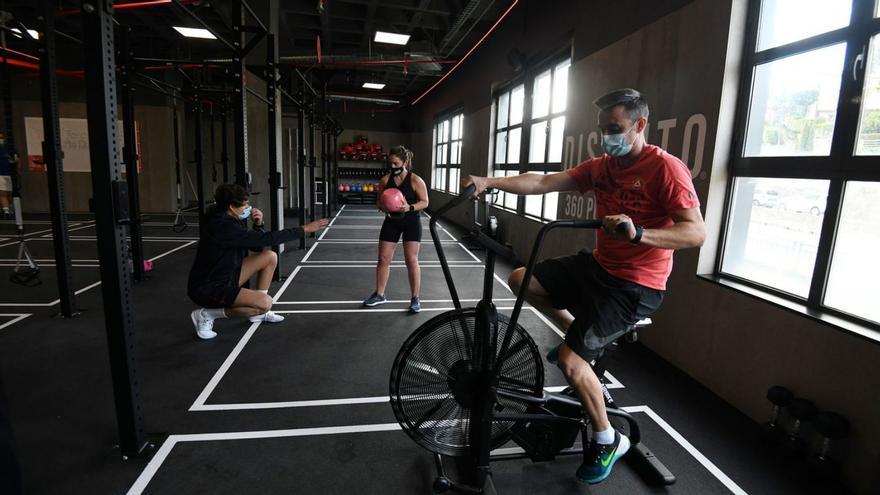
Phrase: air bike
x=469 y=380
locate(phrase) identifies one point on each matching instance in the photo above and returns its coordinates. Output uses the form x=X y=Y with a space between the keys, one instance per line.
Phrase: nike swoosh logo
x=607 y=461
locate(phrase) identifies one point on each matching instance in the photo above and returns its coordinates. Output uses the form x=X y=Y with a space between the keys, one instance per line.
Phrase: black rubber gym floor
x=301 y=406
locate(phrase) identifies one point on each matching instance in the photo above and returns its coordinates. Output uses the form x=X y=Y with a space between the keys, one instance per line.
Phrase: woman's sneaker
x=268 y=317
x=375 y=300
x=415 y=305
x=599 y=460
x=204 y=325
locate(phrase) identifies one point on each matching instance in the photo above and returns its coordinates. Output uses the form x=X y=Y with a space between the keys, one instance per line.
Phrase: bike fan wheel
x=432 y=381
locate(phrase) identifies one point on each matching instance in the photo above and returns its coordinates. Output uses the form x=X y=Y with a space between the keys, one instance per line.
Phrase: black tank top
x=405 y=188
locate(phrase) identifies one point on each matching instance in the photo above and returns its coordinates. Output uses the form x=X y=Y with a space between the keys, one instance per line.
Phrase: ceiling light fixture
x=391 y=38
x=195 y=33
x=33 y=32
x=370 y=85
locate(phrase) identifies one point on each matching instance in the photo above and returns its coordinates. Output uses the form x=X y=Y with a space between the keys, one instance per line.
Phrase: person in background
x=222 y=265
x=407 y=224
x=6 y=170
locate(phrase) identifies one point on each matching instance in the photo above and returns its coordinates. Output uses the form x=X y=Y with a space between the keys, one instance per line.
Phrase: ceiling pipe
x=354 y=60
x=468 y=54
x=21 y=54
x=342 y=97
x=126 y=6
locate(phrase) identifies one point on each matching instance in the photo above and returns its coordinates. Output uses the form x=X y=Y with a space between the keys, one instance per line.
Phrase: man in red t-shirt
x=646 y=200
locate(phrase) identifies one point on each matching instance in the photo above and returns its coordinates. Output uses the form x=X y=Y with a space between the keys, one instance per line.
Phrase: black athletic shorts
x=605 y=307
x=214 y=294
x=410 y=226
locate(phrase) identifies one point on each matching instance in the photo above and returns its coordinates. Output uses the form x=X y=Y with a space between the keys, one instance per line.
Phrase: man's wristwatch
x=412 y=208
x=638 y=238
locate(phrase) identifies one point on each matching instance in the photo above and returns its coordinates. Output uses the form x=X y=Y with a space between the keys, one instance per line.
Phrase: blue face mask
x=245 y=214
x=616 y=145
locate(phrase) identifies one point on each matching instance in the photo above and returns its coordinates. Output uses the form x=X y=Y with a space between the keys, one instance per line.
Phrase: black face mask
x=396 y=171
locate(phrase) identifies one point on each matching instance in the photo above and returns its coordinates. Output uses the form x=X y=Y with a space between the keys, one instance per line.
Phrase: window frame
x=447 y=115
x=838 y=167
x=527 y=81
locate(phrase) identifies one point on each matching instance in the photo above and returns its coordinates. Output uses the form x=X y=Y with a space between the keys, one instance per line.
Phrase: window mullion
x=822 y=268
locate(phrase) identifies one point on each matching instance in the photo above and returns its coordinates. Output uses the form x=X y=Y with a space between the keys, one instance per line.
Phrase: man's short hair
x=228 y=195
x=634 y=104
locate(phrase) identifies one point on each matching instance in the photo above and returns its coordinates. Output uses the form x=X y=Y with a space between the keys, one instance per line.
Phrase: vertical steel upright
x=276 y=181
x=110 y=215
x=239 y=97
x=130 y=154
x=325 y=141
x=301 y=159
x=53 y=159
x=198 y=155
x=224 y=140
x=312 y=161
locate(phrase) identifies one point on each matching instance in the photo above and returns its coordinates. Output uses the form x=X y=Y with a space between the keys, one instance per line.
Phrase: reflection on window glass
x=503 y=104
x=538 y=142
x=773 y=231
x=868 y=142
x=498 y=198
x=534 y=203
x=557 y=127
x=794 y=104
x=454 y=180
x=560 y=87
x=516 y=105
x=500 y=147
x=787 y=21
x=852 y=282
x=541 y=96
x=510 y=199
x=551 y=203
x=513 y=145
x=441 y=178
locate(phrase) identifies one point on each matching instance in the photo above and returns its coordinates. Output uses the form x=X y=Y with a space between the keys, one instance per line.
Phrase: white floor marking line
x=373 y=242
x=51 y=264
x=19 y=317
x=468 y=251
x=162 y=454
x=212 y=384
x=200 y=402
x=89 y=287
x=709 y=465
x=178 y=248
x=159 y=458
x=310 y=251
x=318 y=403
x=218 y=375
x=550 y=324
x=390 y=301
x=330 y=225
x=47 y=261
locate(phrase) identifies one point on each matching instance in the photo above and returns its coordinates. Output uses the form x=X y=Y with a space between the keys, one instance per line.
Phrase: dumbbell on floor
x=780 y=397
x=831 y=426
x=803 y=411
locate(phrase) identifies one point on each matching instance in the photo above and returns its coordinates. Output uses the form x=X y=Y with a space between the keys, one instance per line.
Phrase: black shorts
x=604 y=307
x=214 y=294
x=410 y=226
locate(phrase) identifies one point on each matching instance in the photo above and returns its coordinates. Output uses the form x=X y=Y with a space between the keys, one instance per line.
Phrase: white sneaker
x=204 y=326
x=268 y=317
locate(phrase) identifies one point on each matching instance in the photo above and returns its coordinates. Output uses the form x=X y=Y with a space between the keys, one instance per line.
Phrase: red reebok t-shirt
x=648 y=190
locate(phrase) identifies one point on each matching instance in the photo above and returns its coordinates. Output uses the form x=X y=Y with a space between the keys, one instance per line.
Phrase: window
x=448 y=132
x=528 y=136
x=803 y=220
